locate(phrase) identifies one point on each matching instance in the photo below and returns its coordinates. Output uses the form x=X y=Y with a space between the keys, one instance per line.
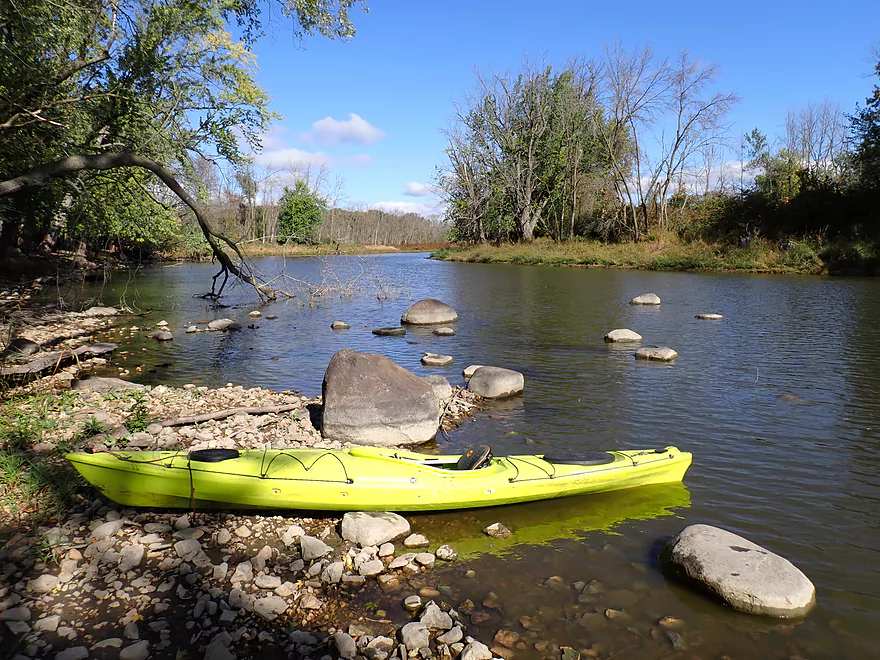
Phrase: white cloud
x=287 y=157
x=425 y=209
x=333 y=132
x=416 y=189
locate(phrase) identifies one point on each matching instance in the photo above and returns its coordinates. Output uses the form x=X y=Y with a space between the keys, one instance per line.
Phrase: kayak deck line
x=367 y=478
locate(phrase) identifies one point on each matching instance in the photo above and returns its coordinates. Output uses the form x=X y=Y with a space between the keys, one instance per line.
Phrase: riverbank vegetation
x=624 y=160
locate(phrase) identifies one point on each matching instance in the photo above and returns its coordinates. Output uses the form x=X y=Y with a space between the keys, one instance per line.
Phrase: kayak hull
x=361 y=478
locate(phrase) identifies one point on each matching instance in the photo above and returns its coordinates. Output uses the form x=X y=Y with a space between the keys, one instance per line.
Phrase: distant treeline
x=631 y=145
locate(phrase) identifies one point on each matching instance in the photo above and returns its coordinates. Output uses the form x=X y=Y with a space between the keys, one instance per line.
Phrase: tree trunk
x=66 y=166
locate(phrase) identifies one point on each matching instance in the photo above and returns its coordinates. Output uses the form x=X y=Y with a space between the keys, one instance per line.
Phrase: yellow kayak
x=366 y=478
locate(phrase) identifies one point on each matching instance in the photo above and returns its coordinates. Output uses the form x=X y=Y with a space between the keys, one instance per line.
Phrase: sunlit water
x=800 y=476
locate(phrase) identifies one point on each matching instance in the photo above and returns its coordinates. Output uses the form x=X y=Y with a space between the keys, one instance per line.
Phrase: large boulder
x=442 y=388
x=495 y=382
x=744 y=575
x=369 y=400
x=428 y=312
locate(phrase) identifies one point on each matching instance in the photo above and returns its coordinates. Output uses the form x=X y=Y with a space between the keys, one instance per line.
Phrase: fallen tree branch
x=229 y=412
x=58 y=359
x=107 y=161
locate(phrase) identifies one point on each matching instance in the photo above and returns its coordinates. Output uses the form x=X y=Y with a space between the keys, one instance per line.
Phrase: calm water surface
x=800 y=476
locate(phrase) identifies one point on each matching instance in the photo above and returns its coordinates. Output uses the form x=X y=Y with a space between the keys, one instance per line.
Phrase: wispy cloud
x=416 y=189
x=425 y=209
x=277 y=154
x=333 y=132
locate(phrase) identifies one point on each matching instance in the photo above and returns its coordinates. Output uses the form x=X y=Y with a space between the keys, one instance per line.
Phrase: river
x=779 y=403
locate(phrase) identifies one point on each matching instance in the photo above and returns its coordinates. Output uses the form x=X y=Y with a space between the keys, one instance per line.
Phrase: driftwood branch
x=66 y=166
x=58 y=359
x=229 y=412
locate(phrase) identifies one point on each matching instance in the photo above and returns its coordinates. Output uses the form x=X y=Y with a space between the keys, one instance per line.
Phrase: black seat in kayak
x=475 y=458
x=213 y=455
x=580 y=458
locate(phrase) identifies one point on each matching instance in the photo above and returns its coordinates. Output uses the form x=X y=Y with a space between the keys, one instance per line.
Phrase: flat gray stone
x=106 y=530
x=313 y=548
x=656 y=353
x=102 y=385
x=444 y=332
x=496 y=383
x=429 y=311
x=646 y=299
x=73 y=653
x=744 y=575
x=623 y=335
x=101 y=311
x=414 y=635
x=43 y=584
x=389 y=332
x=436 y=360
x=270 y=607
x=187 y=549
x=345 y=645
x=137 y=651
x=467 y=372
x=220 y=325
x=710 y=317
x=368 y=528
x=340 y=325
x=371 y=568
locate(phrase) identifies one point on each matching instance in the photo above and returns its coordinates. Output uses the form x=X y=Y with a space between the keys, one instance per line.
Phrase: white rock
x=49 y=623
x=106 y=530
x=469 y=371
x=368 y=528
x=43 y=584
x=710 y=317
x=371 y=568
x=446 y=553
x=496 y=383
x=475 y=651
x=313 y=548
x=436 y=360
x=646 y=299
x=416 y=541
x=267 y=582
x=244 y=572
x=656 y=353
x=270 y=607
x=623 y=335
x=746 y=576
x=414 y=635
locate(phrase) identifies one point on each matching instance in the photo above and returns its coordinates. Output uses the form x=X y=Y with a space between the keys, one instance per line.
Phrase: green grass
x=40 y=489
x=664 y=251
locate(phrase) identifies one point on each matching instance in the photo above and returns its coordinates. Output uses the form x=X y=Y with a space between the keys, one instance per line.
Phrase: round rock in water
x=709 y=317
x=496 y=383
x=436 y=360
x=622 y=335
x=340 y=325
x=657 y=353
x=428 y=312
x=469 y=371
x=444 y=332
x=646 y=299
x=390 y=332
x=746 y=576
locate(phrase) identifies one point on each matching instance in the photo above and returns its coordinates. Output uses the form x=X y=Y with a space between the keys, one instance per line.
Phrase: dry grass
x=662 y=252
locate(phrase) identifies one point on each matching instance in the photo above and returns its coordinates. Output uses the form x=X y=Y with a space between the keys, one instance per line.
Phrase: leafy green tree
x=866 y=131
x=300 y=213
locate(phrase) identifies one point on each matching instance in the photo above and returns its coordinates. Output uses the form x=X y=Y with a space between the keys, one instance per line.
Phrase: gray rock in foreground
x=496 y=383
x=442 y=388
x=657 y=353
x=428 y=312
x=369 y=400
x=101 y=385
x=744 y=575
x=368 y=528
x=623 y=335
x=646 y=299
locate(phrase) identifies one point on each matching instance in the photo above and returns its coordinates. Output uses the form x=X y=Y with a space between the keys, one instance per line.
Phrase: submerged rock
x=657 y=353
x=744 y=575
x=389 y=332
x=429 y=312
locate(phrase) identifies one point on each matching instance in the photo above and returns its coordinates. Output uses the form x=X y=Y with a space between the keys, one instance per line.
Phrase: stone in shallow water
x=389 y=332
x=436 y=360
x=444 y=332
x=623 y=335
x=709 y=317
x=746 y=576
x=340 y=325
x=646 y=299
x=429 y=311
x=496 y=383
x=656 y=353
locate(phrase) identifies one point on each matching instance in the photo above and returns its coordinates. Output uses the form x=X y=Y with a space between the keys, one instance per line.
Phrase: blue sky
x=372 y=110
